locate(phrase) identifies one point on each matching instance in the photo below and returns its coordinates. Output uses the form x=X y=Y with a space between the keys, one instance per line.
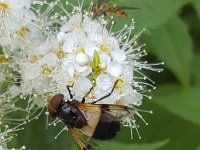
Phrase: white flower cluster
x=95 y=57
x=48 y=50
x=8 y=124
x=14 y=19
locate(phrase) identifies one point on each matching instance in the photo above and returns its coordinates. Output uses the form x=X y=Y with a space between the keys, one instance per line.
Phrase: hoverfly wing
x=103 y=121
x=117 y=111
x=128 y=8
x=103 y=1
x=82 y=141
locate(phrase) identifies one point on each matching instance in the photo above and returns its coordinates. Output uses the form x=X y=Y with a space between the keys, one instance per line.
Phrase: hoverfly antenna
x=54 y=103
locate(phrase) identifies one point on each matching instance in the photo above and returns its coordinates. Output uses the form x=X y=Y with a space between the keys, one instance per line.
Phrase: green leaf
x=172 y=44
x=196 y=70
x=182 y=134
x=95 y=62
x=149 y=146
x=35 y=136
x=184 y=104
x=116 y=145
x=106 y=145
x=151 y=13
x=198 y=148
x=196 y=5
x=96 y=59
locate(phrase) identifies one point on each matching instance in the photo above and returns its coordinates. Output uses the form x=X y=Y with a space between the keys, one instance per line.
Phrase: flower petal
x=114 y=69
x=82 y=59
x=103 y=82
x=118 y=55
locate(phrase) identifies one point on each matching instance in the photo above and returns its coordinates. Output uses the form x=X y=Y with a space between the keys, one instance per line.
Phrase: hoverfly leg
x=70 y=93
x=83 y=99
x=104 y=14
x=107 y=94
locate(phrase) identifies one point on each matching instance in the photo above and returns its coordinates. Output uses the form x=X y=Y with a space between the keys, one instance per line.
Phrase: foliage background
x=172 y=35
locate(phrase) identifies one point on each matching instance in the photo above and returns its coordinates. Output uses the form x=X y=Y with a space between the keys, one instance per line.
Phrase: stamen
x=65 y=128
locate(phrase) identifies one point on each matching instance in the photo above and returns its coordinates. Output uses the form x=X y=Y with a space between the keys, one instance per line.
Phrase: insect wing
x=103 y=1
x=103 y=114
x=128 y=8
x=117 y=111
x=82 y=141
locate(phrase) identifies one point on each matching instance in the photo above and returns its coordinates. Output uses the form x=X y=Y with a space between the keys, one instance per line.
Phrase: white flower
x=90 y=47
x=68 y=68
x=60 y=36
x=118 y=55
x=103 y=82
x=92 y=27
x=17 y=4
x=114 y=68
x=81 y=87
x=107 y=44
x=13 y=13
x=68 y=46
x=105 y=59
x=82 y=59
x=73 y=23
x=133 y=98
x=83 y=71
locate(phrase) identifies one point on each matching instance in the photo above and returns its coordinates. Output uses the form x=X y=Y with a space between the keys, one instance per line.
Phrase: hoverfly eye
x=54 y=104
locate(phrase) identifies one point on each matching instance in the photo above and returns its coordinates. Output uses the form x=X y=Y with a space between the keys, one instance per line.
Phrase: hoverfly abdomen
x=106 y=131
x=107 y=127
x=102 y=8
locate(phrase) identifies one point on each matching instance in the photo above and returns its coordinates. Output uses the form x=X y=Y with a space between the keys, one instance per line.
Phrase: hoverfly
x=102 y=8
x=86 y=121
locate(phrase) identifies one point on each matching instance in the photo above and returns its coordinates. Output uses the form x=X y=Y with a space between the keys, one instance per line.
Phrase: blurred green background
x=172 y=35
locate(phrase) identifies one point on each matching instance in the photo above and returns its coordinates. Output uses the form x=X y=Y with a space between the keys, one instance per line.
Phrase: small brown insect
x=102 y=8
x=86 y=122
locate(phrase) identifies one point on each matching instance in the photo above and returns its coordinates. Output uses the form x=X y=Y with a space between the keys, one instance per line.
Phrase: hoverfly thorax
x=98 y=10
x=67 y=111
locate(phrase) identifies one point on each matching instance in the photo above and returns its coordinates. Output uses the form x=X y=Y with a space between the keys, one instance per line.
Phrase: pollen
x=46 y=70
x=119 y=102
x=33 y=59
x=119 y=84
x=82 y=50
x=76 y=26
x=60 y=54
x=71 y=81
x=3 y=59
x=22 y=32
x=3 y=7
x=104 y=49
